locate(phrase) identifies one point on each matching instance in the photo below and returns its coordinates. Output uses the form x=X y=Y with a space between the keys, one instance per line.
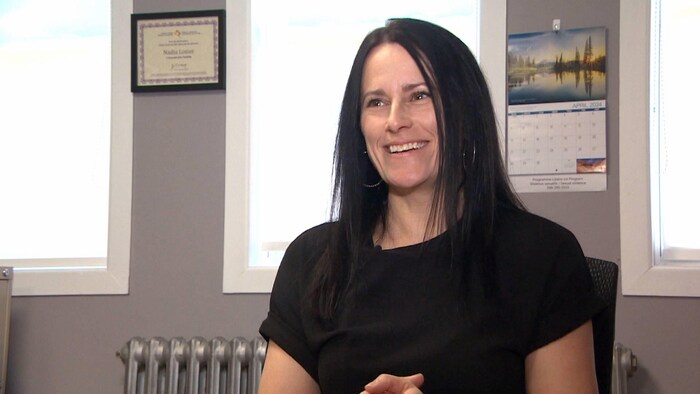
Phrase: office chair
x=604 y=274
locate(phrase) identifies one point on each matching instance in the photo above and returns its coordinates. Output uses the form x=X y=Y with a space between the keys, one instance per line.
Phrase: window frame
x=640 y=269
x=238 y=277
x=110 y=275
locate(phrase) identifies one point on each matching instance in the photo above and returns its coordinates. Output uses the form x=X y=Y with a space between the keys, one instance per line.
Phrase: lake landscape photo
x=557 y=66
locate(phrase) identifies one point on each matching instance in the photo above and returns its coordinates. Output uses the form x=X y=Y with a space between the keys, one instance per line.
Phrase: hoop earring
x=370 y=186
x=464 y=157
x=375 y=185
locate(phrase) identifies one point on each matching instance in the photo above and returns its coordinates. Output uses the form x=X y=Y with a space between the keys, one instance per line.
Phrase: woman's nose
x=399 y=118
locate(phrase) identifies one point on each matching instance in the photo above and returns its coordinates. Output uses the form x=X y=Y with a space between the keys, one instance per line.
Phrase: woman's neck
x=408 y=222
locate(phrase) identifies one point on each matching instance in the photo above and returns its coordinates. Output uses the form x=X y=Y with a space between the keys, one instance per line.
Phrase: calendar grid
x=561 y=138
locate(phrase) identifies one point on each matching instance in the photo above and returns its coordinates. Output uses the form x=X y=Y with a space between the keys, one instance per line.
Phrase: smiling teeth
x=406 y=147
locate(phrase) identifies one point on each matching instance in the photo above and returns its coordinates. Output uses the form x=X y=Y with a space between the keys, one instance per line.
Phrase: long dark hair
x=471 y=180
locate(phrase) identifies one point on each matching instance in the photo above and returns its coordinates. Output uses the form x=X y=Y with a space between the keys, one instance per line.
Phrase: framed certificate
x=178 y=51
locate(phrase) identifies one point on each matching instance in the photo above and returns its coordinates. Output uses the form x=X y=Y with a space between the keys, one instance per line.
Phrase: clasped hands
x=392 y=384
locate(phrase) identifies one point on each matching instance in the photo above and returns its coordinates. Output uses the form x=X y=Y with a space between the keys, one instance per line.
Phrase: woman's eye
x=375 y=103
x=421 y=95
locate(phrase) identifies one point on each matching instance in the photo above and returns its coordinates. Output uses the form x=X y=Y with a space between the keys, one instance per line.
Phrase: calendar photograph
x=568 y=65
x=556 y=125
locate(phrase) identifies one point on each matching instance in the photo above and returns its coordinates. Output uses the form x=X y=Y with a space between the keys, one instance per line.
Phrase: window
x=659 y=215
x=275 y=186
x=65 y=146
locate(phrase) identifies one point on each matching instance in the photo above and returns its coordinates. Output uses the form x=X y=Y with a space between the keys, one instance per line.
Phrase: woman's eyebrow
x=411 y=86
x=375 y=92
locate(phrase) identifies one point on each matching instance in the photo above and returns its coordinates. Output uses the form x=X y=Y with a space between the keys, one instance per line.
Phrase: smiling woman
x=438 y=272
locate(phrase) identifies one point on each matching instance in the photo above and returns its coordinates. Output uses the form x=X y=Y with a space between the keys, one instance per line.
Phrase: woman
x=432 y=278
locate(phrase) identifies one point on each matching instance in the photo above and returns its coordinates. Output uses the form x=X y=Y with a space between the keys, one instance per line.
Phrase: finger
x=380 y=384
x=394 y=384
x=416 y=379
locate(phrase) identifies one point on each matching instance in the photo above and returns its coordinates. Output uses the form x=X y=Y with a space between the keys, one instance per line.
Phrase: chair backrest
x=604 y=274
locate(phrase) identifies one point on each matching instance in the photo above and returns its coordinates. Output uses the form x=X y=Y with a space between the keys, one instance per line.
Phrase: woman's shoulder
x=309 y=245
x=521 y=223
x=537 y=254
x=316 y=235
x=524 y=234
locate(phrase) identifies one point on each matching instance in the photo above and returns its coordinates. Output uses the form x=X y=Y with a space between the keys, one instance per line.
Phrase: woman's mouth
x=406 y=147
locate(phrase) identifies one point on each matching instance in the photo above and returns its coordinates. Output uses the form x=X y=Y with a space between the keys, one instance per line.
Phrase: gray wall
x=68 y=344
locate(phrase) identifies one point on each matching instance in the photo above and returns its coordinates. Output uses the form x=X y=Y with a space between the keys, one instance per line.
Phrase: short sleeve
x=284 y=323
x=569 y=299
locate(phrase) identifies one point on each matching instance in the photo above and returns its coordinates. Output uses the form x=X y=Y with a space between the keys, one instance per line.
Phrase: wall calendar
x=556 y=130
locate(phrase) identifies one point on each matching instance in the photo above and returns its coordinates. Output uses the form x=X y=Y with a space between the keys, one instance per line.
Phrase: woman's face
x=398 y=120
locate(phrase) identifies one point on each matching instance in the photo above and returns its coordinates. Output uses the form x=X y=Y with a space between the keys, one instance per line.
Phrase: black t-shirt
x=411 y=311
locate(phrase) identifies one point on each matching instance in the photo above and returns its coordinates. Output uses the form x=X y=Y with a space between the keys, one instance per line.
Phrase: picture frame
x=178 y=51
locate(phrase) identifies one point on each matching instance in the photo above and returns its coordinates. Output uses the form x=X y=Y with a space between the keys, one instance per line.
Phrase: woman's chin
x=410 y=185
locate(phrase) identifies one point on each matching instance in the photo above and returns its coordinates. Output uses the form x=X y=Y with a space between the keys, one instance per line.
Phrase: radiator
x=624 y=366
x=195 y=366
